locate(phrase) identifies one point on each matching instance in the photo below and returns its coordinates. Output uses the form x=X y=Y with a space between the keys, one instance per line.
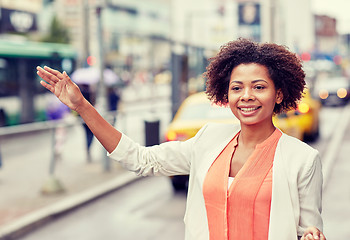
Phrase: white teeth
x=248 y=109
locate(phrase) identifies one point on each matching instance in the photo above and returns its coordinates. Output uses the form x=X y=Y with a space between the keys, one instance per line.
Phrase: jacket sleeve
x=310 y=193
x=166 y=159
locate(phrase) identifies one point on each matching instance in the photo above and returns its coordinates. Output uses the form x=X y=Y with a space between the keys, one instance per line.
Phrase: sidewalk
x=22 y=204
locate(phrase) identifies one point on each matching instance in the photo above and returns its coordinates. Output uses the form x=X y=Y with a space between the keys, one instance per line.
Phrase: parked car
x=333 y=91
x=196 y=110
x=303 y=122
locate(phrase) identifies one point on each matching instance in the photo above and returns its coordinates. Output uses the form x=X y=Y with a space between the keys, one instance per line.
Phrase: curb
x=42 y=216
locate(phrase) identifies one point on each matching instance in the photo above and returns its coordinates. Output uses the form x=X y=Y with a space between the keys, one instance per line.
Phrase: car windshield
x=205 y=111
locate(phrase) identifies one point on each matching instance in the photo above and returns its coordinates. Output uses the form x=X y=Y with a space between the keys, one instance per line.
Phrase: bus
x=22 y=98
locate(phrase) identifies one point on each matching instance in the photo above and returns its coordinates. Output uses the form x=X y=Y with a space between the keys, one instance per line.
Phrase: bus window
x=8 y=81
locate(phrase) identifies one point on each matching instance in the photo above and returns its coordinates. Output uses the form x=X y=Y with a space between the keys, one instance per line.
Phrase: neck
x=252 y=135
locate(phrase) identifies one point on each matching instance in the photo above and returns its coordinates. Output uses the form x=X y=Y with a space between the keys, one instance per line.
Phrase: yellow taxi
x=197 y=110
x=194 y=112
x=303 y=122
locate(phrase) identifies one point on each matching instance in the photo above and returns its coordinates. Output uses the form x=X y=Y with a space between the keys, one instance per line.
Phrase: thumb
x=67 y=78
x=65 y=75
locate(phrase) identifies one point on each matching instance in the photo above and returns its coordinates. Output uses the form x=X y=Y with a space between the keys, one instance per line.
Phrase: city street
x=142 y=63
x=149 y=208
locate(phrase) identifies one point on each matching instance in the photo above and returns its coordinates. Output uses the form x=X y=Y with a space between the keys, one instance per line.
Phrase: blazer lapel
x=214 y=153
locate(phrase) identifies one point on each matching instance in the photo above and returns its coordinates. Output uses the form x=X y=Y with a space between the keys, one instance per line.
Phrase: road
x=146 y=209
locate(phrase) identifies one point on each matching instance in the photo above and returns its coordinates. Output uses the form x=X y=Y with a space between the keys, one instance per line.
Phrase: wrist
x=83 y=107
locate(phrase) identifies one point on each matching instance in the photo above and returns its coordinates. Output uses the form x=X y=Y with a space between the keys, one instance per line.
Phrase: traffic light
x=306 y=56
x=91 y=60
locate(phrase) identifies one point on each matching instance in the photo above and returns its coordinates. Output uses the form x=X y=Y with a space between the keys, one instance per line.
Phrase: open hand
x=313 y=233
x=62 y=86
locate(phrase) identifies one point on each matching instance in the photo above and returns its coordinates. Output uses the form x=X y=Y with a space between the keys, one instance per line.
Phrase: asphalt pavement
x=32 y=196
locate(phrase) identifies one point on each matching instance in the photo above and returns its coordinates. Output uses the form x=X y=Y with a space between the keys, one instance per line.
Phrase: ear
x=279 y=96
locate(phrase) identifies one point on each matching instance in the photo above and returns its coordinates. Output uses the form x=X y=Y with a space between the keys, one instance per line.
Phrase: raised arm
x=69 y=93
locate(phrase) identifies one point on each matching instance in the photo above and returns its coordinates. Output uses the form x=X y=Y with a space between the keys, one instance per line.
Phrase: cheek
x=232 y=97
x=231 y=102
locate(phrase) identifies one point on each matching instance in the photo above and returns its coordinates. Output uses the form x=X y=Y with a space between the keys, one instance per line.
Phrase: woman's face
x=252 y=95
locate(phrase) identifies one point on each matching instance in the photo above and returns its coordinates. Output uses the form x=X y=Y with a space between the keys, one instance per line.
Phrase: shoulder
x=296 y=154
x=294 y=145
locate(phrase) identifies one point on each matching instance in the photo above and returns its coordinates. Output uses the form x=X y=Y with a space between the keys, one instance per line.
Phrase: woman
x=247 y=181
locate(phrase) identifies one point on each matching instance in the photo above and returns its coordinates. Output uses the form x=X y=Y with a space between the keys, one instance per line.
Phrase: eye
x=259 y=87
x=235 y=88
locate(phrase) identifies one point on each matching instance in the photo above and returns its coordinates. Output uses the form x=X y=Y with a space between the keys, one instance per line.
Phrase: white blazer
x=296 y=184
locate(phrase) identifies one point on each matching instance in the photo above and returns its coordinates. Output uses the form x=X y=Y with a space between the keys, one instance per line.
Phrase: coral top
x=241 y=211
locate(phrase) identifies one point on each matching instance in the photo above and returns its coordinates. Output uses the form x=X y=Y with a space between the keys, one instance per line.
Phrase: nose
x=247 y=95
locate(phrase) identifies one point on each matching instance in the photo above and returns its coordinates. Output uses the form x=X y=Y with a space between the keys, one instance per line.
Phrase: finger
x=67 y=79
x=316 y=234
x=56 y=73
x=309 y=237
x=65 y=75
x=322 y=236
x=47 y=86
x=47 y=76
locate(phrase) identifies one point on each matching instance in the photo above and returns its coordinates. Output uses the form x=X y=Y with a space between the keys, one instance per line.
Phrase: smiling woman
x=257 y=81
x=233 y=168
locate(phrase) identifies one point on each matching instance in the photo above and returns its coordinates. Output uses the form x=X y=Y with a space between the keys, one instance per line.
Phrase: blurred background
x=141 y=64
x=154 y=41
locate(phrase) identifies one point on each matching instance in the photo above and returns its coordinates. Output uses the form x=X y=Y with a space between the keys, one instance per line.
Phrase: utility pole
x=86 y=32
x=101 y=101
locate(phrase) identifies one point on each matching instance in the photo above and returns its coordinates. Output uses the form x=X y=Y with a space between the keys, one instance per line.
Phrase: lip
x=248 y=110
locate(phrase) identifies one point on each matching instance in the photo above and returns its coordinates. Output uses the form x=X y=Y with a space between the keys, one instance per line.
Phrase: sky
x=339 y=9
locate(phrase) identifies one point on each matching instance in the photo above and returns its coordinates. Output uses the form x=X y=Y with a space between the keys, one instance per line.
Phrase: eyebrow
x=254 y=81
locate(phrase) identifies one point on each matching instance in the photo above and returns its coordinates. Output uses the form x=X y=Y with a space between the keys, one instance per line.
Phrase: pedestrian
x=113 y=102
x=247 y=181
x=89 y=136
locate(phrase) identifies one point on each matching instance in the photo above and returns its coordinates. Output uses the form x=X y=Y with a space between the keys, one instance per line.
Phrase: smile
x=249 y=109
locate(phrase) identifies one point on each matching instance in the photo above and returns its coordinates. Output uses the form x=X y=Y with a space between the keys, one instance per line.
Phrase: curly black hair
x=284 y=68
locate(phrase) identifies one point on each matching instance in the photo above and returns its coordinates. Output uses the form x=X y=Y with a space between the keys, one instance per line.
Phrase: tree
x=58 y=33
